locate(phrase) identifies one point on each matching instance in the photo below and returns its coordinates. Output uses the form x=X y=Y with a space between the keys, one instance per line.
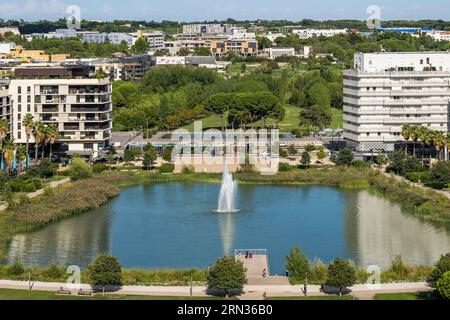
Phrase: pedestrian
x=246 y=255
x=264 y=273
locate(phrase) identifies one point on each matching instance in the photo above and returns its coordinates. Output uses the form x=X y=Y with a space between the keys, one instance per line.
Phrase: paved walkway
x=53 y=185
x=251 y=292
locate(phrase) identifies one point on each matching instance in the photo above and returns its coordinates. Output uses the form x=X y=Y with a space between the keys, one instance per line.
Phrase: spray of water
x=227 y=193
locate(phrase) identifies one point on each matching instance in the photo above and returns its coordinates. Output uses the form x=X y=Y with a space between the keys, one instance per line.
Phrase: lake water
x=173 y=225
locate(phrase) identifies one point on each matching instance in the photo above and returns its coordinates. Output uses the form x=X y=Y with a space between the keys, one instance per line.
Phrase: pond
x=174 y=225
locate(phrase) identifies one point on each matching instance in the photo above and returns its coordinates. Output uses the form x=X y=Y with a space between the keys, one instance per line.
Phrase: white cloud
x=34 y=7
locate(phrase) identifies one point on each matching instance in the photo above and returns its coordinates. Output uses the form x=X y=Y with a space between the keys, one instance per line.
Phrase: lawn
x=405 y=296
x=7 y=294
x=290 y=122
x=312 y=298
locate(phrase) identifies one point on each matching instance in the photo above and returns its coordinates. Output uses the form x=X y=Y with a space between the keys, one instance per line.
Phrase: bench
x=82 y=292
x=65 y=292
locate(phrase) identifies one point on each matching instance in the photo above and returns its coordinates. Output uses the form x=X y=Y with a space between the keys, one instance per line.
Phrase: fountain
x=227 y=193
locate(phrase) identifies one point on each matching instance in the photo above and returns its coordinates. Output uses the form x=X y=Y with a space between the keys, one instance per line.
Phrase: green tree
x=128 y=156
x=341 y=274
x=441 y=267
x=105 y=271
x=317 y=117
x=202 y=51
x=140 y=46
x=321 y=154
x=319 y=94
x=167 y=154
x=443 y=286
x=345 y=157
x=79 y=169
x=297 y=265
x=28 y=123
x=150 y=156
x=440 y=173
x=227 y=274
x=381 y=160
x=306 y=159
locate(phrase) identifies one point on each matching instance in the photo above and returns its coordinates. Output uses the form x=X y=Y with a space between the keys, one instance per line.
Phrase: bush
x=16 y=269
x=53 y=272
x=188 y=170
x=399 y=267
x=284 y=167
x=440 y=173
x=99 y=167
x=45 y=169
x=345 y=157
x=79 y=169
x=318 y=272
x=441 y=267
x=443 y=286
x=167 y=168
x=417 y=177
x=360 y=164
x=167 y=154
x=227 y=274
x=105 y=271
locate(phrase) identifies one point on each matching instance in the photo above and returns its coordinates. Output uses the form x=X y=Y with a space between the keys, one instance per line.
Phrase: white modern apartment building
x=113 y=37
x=274 y=53
x=439 y=35
x=385 y=91
x=6 y=106
x=312 y=33
x=14 y=30
x=154 y=38
x=80 y=105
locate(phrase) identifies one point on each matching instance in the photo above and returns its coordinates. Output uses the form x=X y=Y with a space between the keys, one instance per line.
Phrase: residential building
x=273 y=36
x=197 y=61
x=6 y=48
x=170 y=60
x=240 y=47
x=14 y=30
x=62 y=34
x=438 y=35
x=203 y=28
x=125 y=68
x=6 y=105
x=313 y=33
x=277 y=52
x=409 y=30
x=66 y=95
x=154 y=38
x=112 y=37
x=385 y=91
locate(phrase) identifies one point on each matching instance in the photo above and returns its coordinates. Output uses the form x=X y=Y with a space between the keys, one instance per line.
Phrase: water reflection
x=380 y=230
x=226 y=223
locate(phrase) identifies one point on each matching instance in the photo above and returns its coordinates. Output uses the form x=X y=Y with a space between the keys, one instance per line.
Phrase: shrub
x=53 y=272
x=188 y=170
x=417 y=177
x=167 y=168
x=310 y=148
x=440 y=173
x=45 y=169
x=105 y=271
x=99 y=167
x=167 y=154
x=227 y=274
x=16 y=269
x=297 y=265
x=399 y=267
x=441 y=267
x=283 y=153
x=80 y=169
x=443 y=286
x=318 y=272
x=360 y=164
x=345 y=157
x=284 y=167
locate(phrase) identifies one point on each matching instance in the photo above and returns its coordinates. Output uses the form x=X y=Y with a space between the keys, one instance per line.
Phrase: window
x=19 y=99
x=19 y=108
x=28 y=90
x=28 y=99
x=421 y=61
x=19 y=90
x=28 y=108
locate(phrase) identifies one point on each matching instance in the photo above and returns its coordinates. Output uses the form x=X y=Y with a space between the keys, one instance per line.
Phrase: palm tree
x=39 y=136
x=21 y=155
x=415 y=136
x=426 y=136
x=439 y=139
x=9 y=152
x=4 y=129
x=406 y=133
x=52 y=135
x=28 y=123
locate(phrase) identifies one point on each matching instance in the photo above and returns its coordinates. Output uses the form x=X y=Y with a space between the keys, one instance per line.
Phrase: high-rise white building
x=385 y=91
x=67 y=96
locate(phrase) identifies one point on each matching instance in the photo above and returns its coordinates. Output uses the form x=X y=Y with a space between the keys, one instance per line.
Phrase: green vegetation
x=313 y=298
x=405 y=296
x=79 y=169
x=341 y=274
x=105 y=271
x=227 y=274
x=7 y=294
x=443 y=286
x=297 y=265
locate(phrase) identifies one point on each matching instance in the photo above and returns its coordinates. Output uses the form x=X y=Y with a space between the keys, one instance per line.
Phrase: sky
x=199 y=10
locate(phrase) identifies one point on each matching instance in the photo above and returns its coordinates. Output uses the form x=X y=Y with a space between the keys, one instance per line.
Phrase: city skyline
x=199 y=10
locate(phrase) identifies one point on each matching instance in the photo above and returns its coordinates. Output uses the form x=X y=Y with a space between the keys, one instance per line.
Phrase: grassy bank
x=54 y=205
